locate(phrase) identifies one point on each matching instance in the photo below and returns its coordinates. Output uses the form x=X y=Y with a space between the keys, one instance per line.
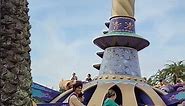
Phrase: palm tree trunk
x=175 y=78
x=15 y=71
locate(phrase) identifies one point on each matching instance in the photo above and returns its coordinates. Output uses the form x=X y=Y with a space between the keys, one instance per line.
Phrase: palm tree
x=170 y=73
x=175 y=70
x=15 y=71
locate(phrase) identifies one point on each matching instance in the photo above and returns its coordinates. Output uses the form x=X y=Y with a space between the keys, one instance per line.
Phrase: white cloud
x=58 y=58
x=56 y=54
x=164 y=22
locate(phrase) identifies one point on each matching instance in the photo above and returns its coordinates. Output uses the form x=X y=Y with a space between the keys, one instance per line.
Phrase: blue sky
x=63 y=32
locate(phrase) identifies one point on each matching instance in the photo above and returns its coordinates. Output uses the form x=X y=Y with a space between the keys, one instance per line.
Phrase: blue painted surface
x=180 y=96
x=43 y=93
x=174 y=98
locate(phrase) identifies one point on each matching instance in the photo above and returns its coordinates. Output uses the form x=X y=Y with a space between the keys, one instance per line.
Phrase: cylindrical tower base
x=120 y=61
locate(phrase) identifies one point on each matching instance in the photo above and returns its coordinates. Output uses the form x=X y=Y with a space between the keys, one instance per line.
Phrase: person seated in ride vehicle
x=74 y=99
x=110 y=98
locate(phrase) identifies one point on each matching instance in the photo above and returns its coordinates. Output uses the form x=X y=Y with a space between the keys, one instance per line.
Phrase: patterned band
x=124 y=24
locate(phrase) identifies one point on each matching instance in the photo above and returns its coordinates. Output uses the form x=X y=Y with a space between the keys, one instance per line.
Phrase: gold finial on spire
x=123 y=8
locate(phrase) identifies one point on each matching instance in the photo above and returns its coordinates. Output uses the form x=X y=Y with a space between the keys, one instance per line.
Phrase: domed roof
x=131 y=91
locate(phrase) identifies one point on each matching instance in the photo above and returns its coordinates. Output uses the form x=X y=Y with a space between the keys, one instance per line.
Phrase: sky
x=63 y=31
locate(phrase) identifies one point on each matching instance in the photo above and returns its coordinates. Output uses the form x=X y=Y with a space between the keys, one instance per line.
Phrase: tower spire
x=121 y=43
x=123 y=8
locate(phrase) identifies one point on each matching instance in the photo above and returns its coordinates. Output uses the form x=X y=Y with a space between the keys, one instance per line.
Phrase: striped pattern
x=123 y=8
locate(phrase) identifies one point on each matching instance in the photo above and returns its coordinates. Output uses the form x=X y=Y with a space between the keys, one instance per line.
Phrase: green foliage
x=170 y=73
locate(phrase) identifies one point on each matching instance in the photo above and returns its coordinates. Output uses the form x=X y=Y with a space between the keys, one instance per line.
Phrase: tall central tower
x=119 y=69
x=120 y=43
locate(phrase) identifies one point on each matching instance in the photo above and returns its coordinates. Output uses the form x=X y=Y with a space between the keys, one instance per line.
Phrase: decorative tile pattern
x=120 y=61
x=124 y=24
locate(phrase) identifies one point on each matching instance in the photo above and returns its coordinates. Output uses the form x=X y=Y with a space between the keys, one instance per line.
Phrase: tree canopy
x=171 y=72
